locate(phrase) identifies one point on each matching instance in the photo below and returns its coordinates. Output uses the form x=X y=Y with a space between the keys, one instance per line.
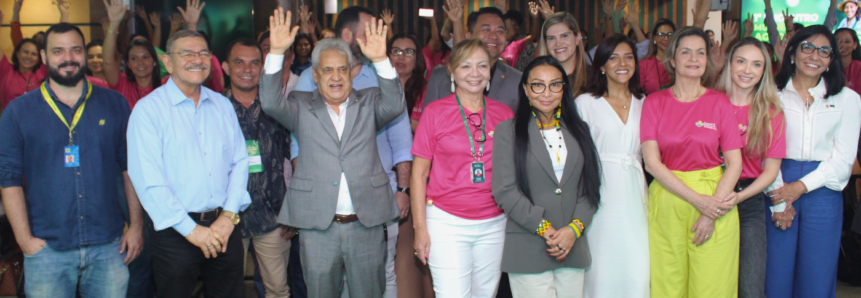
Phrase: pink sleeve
x=645 y=67
x=778 y=145
x=649 y=119
x=217 y=74
x=5 y=66
x=42 y=72
x=416 y=113
x=730 y=139
x=855 y=77
x=426 y=52
x=164 y=80
x=424 y=141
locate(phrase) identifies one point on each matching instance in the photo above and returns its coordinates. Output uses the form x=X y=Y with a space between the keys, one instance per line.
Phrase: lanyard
x=468 y=134
x=78 y=113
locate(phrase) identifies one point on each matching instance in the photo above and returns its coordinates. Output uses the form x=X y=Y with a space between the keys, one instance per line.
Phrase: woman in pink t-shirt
x=749 y=83
x=653 y=74
x=688 y=132
x=459 y=230
x=142 y=69
x=850 y=56
x=24 y=74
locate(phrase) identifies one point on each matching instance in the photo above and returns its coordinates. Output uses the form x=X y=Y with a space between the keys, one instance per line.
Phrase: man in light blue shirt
x=394 y=141
x=189 y=164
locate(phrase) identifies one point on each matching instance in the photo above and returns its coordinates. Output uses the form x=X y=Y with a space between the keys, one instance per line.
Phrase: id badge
x=71 y=156
x=478 y=172
x=255 y=163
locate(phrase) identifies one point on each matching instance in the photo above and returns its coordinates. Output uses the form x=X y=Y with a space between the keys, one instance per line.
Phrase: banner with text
x=806 y=12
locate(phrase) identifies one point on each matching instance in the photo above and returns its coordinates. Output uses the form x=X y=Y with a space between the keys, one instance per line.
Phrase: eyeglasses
x=555 y=87
x=584 y=38
x=809 y=47
x=189 y=54
x=474 y=120
x=409 y=53
x=665 y=35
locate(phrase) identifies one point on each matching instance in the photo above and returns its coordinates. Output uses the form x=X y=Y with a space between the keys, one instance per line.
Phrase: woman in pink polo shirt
x=749 y=83
x=653 y=75
x=688 y=132
x=24 y=74
x=459 y=230
x=142 y=69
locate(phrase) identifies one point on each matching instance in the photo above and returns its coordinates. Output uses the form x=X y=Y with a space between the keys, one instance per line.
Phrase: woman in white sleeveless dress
x=618 y=235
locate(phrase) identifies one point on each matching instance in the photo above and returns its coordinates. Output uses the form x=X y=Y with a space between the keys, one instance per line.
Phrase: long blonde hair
x=578 y=78
x=764 y=106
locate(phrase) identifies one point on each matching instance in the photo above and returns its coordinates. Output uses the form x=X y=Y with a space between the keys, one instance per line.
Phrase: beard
x=67 y=80
x=358 y=57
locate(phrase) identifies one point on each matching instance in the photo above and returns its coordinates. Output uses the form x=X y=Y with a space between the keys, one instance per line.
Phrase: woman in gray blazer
x=554 y=190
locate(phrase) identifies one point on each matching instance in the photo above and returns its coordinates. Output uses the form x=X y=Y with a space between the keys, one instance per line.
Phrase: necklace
x=558 y=130
x=27 y=79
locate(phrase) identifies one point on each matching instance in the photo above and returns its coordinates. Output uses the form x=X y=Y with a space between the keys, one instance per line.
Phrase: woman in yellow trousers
x=693 y=225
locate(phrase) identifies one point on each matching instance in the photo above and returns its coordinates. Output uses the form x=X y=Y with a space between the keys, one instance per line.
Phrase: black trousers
x=177 y=264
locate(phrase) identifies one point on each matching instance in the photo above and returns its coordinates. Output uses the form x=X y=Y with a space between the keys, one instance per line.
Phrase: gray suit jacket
x=503 y=86
x=313 y=193
x=524 y=250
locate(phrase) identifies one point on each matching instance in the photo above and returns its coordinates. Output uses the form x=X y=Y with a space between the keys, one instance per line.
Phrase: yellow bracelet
x=542 y=227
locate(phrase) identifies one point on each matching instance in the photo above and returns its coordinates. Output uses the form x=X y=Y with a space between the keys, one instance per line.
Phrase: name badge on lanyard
x=478 y=172
x=255 y=162
x=71 y=153
x=476 y=169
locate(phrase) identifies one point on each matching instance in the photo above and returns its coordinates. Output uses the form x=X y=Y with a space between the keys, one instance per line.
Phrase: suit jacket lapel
x=538 y=148
x=352 y=115
x=496 y=82
x=573 y=151
x=318 y=104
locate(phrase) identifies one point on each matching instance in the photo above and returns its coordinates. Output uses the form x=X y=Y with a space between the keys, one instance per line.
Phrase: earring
x=602 y=72
x=827 y=69
x=559 y=112
x=452 y=85
x=488 y=87
x=791 y=61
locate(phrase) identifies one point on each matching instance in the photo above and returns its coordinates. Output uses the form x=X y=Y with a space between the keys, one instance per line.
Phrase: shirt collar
x=54 y=96
x=817 y=92
x=176 y=96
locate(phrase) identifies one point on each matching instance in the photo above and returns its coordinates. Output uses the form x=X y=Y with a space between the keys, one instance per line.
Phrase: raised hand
x=176 y=22
x=281 y=35
x=17 y=6
x=546 y=9
x=533 y=8
x=304 y=14
x=192 y=11
x=718 y=58
x=374 y=45
x=454 y=9
x=155 y=19
x=501 y=4
x=748 y=26
x=633 y=16
x=116 y=10
x=607 y=8
x=780 y=47
x=788 y=21
x=387 y=16
x=141 y=13
x=63 y=6
x=621 y=5
x=730 y=32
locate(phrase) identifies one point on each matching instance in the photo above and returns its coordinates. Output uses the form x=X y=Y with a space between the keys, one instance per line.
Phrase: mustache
x=69 y=63
x=196 y=66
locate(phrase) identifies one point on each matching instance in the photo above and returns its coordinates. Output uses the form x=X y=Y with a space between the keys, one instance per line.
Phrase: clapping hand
x=281 y=35
x=374 y=45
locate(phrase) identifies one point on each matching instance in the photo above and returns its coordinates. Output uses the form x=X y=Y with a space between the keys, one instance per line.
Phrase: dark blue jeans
x=802 y=261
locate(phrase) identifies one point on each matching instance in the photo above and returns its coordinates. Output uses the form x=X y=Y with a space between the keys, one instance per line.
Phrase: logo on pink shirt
x=743 y=128
x=707 y=125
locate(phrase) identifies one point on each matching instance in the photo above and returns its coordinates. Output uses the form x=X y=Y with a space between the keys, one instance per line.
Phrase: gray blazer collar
x=499 y=79
x=538 y=147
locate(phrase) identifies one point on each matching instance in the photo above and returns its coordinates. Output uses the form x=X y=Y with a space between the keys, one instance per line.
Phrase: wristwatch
x=232 y=216
x=405 y=190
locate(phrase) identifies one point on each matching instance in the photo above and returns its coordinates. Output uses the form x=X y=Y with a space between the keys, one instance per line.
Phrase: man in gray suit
x=487 y=25
x=340 y=194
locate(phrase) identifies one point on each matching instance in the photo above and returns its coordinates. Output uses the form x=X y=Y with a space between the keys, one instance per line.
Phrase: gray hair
x=181 y=34
x=331 y=44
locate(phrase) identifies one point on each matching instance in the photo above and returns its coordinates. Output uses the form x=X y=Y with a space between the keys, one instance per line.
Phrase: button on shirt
x=399 y=148
x=185 y=158
x=75 y=206
x=828 y=132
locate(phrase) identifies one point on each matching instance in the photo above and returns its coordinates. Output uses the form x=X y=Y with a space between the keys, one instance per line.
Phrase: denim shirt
x=68 y=207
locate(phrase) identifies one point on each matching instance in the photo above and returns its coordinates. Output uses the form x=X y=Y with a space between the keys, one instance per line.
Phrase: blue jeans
x=95 y=270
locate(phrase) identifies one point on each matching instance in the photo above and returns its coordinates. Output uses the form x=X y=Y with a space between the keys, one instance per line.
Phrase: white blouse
x=552 y=137
x=827 y=132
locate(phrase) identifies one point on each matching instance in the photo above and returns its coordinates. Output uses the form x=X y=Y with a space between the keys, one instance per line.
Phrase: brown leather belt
x=345 y=218
x=206 y=216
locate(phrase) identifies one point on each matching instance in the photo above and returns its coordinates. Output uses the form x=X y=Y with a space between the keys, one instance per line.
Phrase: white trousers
x=465 y=255
x=391 y=278
x=559 y=283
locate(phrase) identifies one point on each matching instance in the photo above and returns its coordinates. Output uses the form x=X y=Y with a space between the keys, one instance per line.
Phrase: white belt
x=629 y=161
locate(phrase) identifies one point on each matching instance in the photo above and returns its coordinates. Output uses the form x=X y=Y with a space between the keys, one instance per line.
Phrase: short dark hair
x=349 y=17
x=263 y=36
x=834 y=80
x=598 y=81
x=243 y=42
x=798 y=26
x=514 y=15
x=38 y=45
x=473 y=17
x=63 y=28
x=136 y=35
x=305 y=36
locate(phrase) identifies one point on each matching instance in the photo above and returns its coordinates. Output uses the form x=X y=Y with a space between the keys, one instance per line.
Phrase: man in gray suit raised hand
x=339 y=195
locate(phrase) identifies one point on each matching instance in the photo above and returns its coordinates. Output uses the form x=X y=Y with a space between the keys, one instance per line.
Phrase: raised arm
x=501 y=4
x=305 y=23
x=535 y=20
x=770 y=24
x=176 y=23
x=388 y=17
x=831 y=18
x=633 y=18
x=141 y=13
x=445 y=32
x=434 y=43
x=116 y=11
x=391 y=105
x=191 y=13
x=63 y=7
x=155 y=20
x=272 y=101
x=748 y=26
x=454 y=9
x=701 y=13
x=608 y=21
x=16 y=34
x=730 y=34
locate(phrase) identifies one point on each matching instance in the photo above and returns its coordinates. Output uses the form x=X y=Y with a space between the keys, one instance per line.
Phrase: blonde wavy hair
x=578 y=78
x=764 y=105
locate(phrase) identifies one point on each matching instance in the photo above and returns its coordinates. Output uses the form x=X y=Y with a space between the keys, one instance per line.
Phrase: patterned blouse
x=267 y=187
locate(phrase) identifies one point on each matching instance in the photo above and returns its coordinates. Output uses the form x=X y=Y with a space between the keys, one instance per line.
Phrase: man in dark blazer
x=340 y=195
x=487 y=25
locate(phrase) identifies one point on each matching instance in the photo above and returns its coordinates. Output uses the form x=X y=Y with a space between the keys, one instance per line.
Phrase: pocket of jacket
x=379 y=180
x=300 y=184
